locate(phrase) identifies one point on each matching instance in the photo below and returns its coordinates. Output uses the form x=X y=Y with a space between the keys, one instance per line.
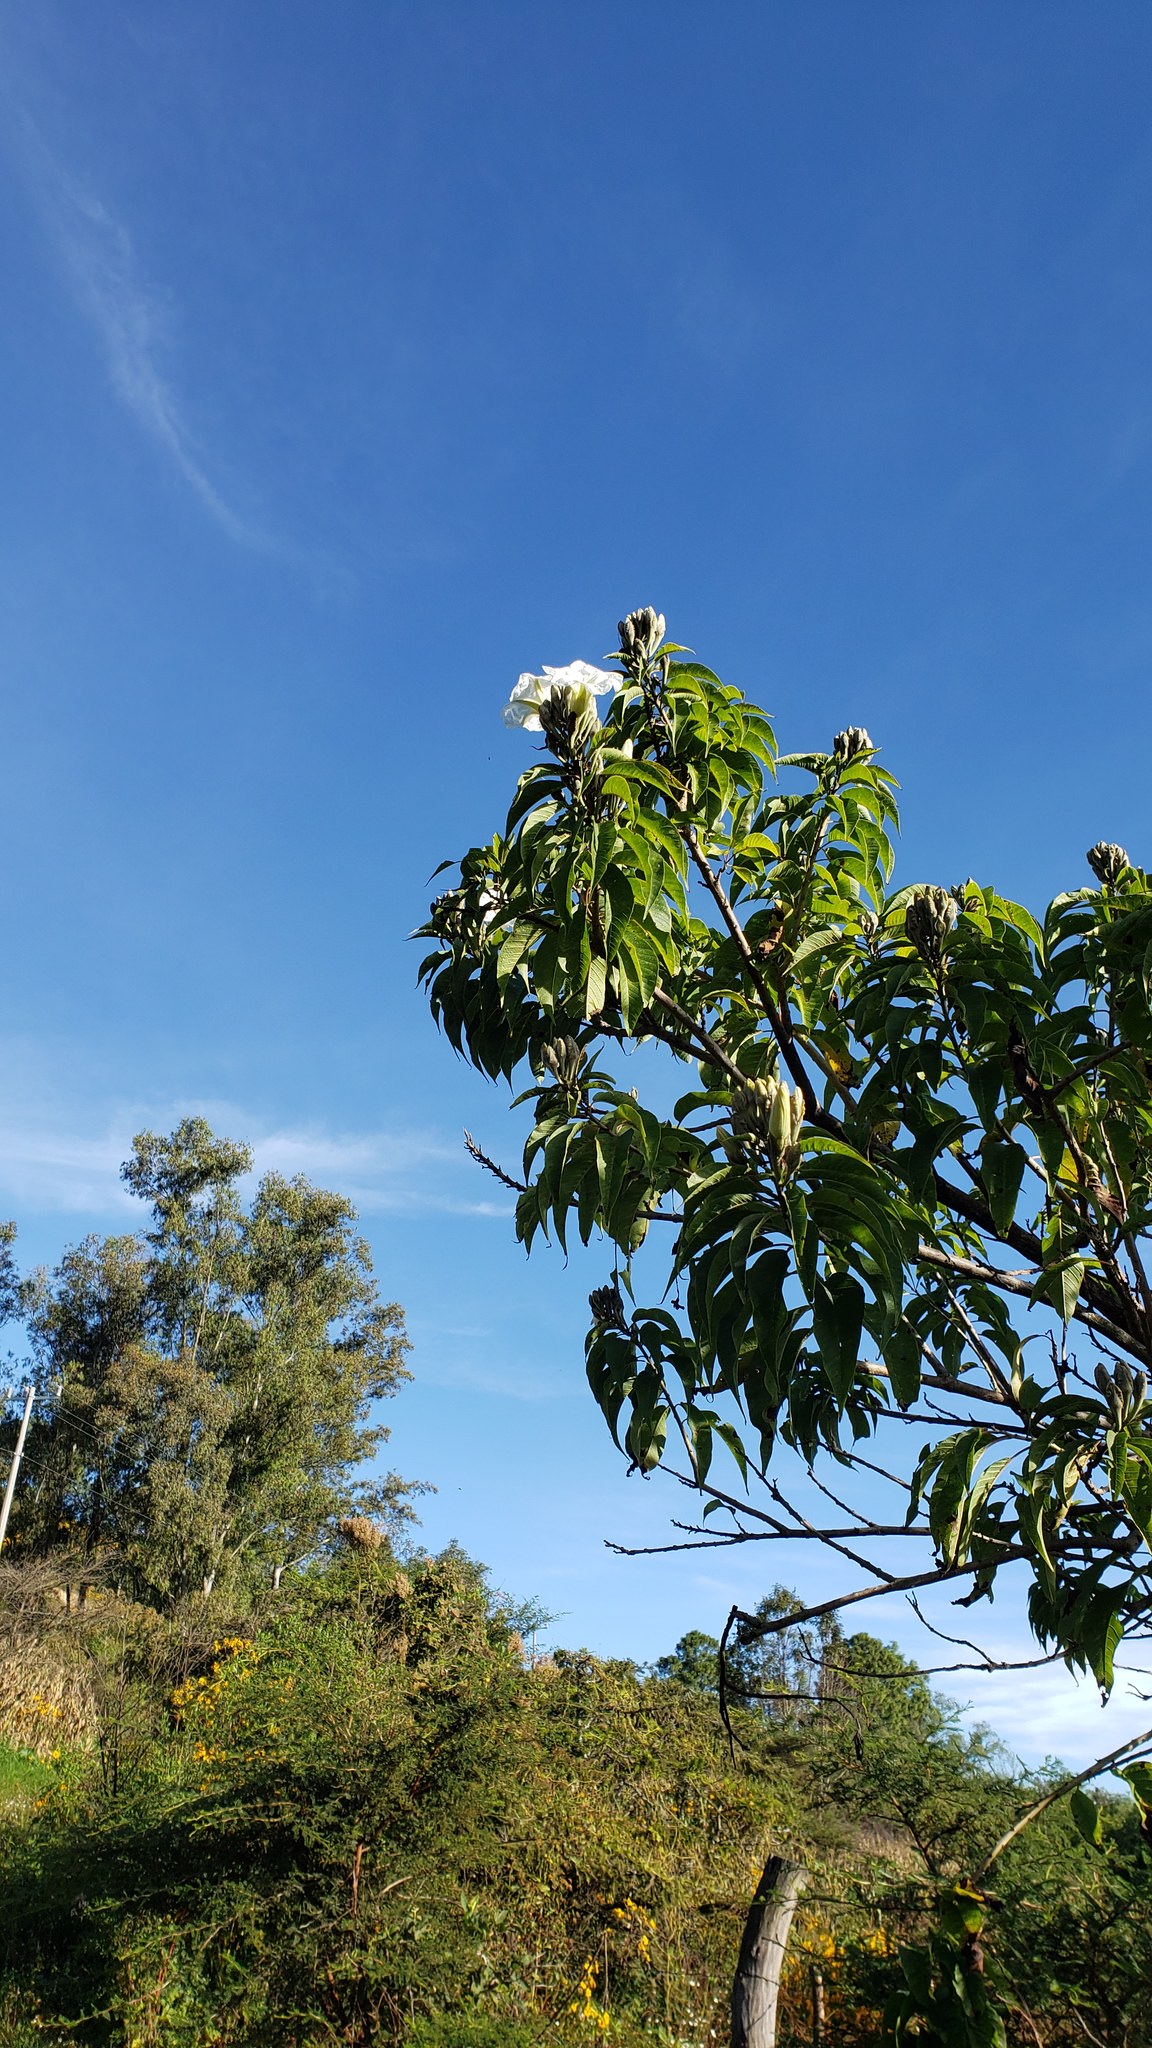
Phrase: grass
x=22 y=1777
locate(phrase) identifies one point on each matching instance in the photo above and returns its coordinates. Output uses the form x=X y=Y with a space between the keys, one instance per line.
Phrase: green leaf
x=1103 y=1632
x=1087 y=1815
x=596 y=987
x=837 y=1321
x=1138 y=1778
x=902 y=1356
x=1050 y=1144
x=962 y=1912
x=1003 y=1163
x=1060 y=1284
x=512 y=951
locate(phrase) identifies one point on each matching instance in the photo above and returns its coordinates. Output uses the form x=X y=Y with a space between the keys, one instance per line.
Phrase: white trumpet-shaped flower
x=580 y=684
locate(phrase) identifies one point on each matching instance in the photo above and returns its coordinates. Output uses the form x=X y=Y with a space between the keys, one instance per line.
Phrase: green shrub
x=368 y=1815
x=365 y=1821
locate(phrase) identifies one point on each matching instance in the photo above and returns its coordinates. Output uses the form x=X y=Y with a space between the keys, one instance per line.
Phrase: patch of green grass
x=22 y=1776
x=472 y=2030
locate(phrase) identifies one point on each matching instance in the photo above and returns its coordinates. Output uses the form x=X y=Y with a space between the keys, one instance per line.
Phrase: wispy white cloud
x=1050 y=1713
x=486 y=1371
x=378 y=1170
x=46 y=1166
x=129 y=315
x=43 y=1169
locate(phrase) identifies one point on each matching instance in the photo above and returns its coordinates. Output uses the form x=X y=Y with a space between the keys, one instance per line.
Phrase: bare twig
x=1095 y=1770
x=518 y=1187
x=938 y=1576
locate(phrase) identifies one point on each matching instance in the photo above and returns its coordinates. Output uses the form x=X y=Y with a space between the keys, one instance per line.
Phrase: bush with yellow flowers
x=365 y=1817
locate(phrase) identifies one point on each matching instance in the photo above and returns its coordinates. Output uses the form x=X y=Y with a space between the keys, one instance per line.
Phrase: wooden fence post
x=756 y=1991
x=817 y=2006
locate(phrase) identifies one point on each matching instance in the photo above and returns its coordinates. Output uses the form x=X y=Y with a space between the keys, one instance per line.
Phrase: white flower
x=489 y=905
x=580 y=683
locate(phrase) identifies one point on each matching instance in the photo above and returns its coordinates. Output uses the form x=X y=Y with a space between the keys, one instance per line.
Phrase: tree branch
x=939 y=1576
x=1029 y=1246
x=1011 y=1283
x=782 y=1031
x=714 y=1052
x=1102 y=1763
x=518 y=1187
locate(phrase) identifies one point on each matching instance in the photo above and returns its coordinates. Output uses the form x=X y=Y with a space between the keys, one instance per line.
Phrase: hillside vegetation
x=272 y=1775
x=359 y=1813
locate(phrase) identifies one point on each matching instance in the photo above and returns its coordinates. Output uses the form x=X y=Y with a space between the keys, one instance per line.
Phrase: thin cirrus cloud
x=98 y=262
x=44 y=1169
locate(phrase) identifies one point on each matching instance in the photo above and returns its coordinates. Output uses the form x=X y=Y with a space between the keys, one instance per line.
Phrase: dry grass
x=46 y=1696
x=45 y=1702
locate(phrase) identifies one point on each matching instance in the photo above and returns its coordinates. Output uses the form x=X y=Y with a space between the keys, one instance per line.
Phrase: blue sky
x=354 y=360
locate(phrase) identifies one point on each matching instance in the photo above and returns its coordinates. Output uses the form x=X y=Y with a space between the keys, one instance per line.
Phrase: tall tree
x=909 y=1179
x=209 y=1383
x=904 y=1198
x=894 y=1148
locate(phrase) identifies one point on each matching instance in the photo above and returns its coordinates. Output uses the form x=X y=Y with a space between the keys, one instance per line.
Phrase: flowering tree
x=901 y=1193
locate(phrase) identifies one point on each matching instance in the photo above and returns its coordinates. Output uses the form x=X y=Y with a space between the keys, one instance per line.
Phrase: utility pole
x=14 y=1468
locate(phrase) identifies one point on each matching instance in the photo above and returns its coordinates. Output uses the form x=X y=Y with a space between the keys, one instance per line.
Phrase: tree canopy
x=895 y=1155
x=208 y=1385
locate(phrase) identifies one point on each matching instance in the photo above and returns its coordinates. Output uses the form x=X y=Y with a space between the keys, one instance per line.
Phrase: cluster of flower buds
x=1106 y=861
x=847 y=744
x=640 y=635
x=928 y=920
x=568 y=719
x=564 y=1059
x=446 y=915
x=607 y=1306
x=769 y=1113
x=1124 y=1391
x=454 y=917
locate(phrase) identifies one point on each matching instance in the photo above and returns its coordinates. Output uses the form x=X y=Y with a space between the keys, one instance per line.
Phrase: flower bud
x=751 y=1106
x=780 y=1119
x=607 y=1307
x=766 y=1114
x=927 y=921
x=563 y=1058
x=1106 y=861
x=847 y=744
x=447 y=916
x=1117 y=1388
x=640 y=635
x=796 y=1115
x=568 y=719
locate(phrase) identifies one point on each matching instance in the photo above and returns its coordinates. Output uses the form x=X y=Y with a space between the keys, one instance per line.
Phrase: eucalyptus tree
x=209 y=1384
x=879 y=1188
